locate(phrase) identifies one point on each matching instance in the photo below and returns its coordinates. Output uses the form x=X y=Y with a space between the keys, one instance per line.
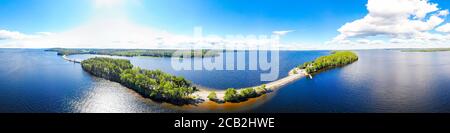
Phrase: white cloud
x=14 y=35
x=394 y=18
x=401 y=22
x=112 y=33
x=282 y=32
x=444 y=28
x=443 y=13
x=122 y=33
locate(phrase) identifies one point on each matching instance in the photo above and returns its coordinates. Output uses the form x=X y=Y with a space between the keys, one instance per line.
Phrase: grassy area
x=136 y=52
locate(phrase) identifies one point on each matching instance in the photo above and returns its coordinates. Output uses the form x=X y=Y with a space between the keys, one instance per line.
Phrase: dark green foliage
x=212 y=96
x=304 y=65
x=247 y=93
x=231 y=95
x=135 y=52
x=106 y=67
x=336 y=59
x=153 y=84
x=157 y=85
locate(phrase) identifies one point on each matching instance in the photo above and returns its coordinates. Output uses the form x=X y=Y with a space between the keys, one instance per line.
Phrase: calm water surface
x=32 y=80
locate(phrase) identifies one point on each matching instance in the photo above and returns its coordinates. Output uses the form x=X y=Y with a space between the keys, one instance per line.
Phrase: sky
x=300 y=24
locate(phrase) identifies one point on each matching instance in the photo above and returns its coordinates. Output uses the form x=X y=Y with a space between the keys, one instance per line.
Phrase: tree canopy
x=153 y=84
x=336 y=59
x=136 y=52
x=212 y=96
x=233 y=95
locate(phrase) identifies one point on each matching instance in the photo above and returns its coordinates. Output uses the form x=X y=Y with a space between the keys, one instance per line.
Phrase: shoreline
x=70 y=60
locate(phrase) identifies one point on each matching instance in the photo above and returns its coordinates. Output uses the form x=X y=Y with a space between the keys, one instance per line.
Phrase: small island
x=136 y=52
x=160 y=86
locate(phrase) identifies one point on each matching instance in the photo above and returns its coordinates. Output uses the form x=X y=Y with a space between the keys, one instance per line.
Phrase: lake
x=32 y=80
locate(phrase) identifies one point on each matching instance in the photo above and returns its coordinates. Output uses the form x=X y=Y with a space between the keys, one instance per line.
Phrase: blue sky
x=43 y=15
x=314 y=21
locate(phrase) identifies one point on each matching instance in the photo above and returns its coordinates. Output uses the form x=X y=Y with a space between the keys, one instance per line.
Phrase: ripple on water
x=109 y=97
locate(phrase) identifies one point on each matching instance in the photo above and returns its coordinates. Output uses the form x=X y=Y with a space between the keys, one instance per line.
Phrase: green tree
x=231 y=95
x=212 y=96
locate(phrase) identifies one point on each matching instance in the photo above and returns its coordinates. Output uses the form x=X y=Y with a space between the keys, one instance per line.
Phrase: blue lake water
x=32 y=80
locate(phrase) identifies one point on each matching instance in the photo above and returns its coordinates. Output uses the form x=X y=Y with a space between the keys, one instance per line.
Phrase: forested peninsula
x=427 y=50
